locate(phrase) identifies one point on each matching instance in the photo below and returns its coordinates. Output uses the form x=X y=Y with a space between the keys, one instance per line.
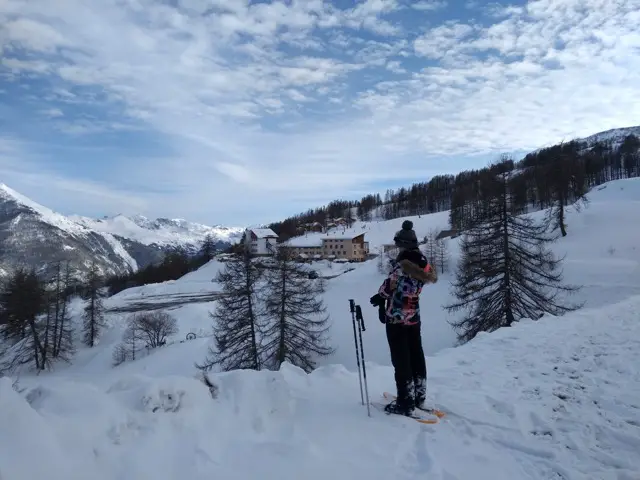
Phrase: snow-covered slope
x=553 y=399
x=161 y=231
x=616 y=135
x=34 y=235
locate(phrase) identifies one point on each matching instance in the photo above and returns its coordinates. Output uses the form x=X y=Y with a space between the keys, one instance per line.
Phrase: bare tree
x=132 y=341
x=506 y=272
x=297 y=326
x=93 y=318
x=59 y=336
x=442 y=255
x=154 y=327
x=237 y=317
x=430 y=248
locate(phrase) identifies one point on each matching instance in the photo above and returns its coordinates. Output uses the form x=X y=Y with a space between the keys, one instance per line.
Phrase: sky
x=241 y=112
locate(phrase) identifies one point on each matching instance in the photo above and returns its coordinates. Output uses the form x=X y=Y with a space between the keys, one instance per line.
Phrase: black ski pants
x=407 y=358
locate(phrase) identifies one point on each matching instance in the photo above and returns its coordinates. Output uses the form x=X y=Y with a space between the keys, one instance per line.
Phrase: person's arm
x=389 y=285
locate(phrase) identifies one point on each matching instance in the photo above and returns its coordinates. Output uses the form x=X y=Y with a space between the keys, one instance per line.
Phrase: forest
x=561 y=173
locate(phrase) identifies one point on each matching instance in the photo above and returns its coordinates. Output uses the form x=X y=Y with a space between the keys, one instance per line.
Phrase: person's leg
x=418 y=364
x=400 y=359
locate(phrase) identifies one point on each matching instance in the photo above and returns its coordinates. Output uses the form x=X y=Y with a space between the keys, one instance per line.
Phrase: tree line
x=35 y=323
x=269 y=312
x=176 y=263
x=558 y=175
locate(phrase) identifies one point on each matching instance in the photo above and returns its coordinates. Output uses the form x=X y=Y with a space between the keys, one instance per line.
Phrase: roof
x=263 y=232
x=343 y=236
x=305 y=241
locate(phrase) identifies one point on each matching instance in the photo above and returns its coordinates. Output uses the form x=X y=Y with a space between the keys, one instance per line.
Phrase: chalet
x=260 y=241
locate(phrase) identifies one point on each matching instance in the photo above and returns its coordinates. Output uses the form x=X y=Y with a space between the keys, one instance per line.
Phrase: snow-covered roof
x=344 y=236
x=305 y=241
x=263 y=232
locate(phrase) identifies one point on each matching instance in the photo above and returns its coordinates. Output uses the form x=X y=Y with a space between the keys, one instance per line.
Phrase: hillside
x=36 y=236
x=553 y=399
x=536 y=180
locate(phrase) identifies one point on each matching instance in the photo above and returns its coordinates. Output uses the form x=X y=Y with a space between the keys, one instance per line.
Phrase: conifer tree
x=22 y=302
x=567 y=183
x=93 y=318
x=208 y=248
x=59 y=296
x=506 y=272
x=237 y=317
x=297 y=326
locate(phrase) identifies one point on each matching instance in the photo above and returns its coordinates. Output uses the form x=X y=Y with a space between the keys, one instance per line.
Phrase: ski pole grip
x=352 y=305
x=359 y=317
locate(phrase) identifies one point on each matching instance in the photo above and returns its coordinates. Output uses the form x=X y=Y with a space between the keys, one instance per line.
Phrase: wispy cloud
x=288 y=103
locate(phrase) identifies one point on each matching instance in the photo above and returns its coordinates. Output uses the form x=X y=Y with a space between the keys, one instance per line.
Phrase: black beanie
x=406 y=238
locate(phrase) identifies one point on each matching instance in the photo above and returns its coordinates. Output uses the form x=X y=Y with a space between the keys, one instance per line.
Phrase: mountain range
x=33 y=235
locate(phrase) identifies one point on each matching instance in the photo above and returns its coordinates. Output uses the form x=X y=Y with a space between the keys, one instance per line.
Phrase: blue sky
x=237 y=112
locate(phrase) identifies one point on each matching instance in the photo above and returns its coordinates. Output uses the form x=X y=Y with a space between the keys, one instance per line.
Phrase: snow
x=160 y=231
x=311 y=240
x=163 y=232
x=554 y=399
x=557 y=398
x=49 y=216
x=263 y=232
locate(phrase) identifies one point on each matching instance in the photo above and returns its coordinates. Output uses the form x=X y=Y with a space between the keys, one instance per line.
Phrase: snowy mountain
x=551 y=399
x=616 y=136
x=34 y=235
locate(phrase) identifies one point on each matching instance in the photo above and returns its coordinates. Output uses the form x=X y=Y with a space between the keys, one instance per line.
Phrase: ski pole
x=355 y=341
x=364 y=366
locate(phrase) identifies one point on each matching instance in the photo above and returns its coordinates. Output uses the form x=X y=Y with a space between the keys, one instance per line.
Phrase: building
x=260 y=241
x=350 y=247
x=447 y=234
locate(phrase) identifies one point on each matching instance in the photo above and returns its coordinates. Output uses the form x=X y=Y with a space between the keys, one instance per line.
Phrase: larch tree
x=237 y=317
x=23 y=301
x=297 y=326
x=93 y=317
x=566 y=183
x=506 y=271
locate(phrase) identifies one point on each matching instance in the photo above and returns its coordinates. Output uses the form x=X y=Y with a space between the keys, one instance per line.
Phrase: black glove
x=377 y=300
x=382 y=314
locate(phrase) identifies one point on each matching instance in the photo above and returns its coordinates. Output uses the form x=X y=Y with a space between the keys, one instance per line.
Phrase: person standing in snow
x=399 y=309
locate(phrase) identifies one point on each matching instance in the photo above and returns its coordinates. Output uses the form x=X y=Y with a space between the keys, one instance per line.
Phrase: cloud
x=52 y=112
x=429 y=5
x=272 y=106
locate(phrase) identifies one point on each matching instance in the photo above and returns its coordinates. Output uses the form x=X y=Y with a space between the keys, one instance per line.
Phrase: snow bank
x=557 y=398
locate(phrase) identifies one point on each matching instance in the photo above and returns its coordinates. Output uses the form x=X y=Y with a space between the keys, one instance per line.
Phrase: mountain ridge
x=34 y=235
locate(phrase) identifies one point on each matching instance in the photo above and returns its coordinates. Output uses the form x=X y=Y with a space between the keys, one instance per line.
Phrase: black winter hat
x=406 y=238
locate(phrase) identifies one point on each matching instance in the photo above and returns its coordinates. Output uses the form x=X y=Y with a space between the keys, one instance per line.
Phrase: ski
x=432 y=411
x=417 y=417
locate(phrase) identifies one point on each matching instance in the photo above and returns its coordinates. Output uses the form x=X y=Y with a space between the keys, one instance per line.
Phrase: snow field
x=558 y=398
